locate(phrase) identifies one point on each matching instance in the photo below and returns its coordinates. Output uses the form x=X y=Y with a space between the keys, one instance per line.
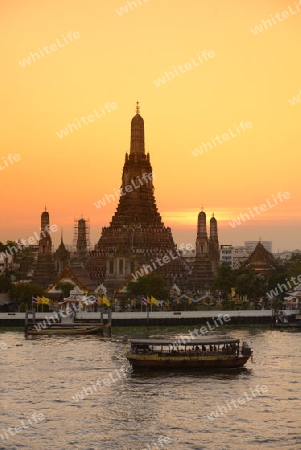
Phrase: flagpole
x=147 y=316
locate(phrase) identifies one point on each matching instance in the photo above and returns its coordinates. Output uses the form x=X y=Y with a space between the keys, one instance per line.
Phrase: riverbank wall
x=157 y=318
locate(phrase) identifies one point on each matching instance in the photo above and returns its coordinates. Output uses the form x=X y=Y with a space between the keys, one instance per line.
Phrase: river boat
x=64 y=322
x=210 y=353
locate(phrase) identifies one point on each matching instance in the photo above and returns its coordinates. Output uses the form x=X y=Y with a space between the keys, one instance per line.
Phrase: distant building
x=286 y=255
x=6 y=262
x=226 y=255
x=250 y=245
x=240 y=254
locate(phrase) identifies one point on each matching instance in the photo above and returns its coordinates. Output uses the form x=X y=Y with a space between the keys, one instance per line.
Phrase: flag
x=34 y=300
x=106 y=301
x=148 y=299
x=144 y=301
x=154 y=300
x=100 y=301
x=45 y=300
x=40 y=300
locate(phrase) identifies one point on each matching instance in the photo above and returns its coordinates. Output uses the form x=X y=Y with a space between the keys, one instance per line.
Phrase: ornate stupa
x=136 y=236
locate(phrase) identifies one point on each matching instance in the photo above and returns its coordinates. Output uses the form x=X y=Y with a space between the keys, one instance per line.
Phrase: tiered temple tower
x=214 y=245
x=61 y=257
x=44 y=269
x=136 y=235
x=207 y=255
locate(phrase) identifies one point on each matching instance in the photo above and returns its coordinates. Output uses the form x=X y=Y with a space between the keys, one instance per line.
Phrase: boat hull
x=201 y=362
x=66 y=331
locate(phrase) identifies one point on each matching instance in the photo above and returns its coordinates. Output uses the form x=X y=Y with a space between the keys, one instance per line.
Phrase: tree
x=224 y=280
x=278 y=276
x=295 y=265
x=25 y=291
x=149 y=285
x=251 y=284
x=23 y=256
x=65 y=287
x=5 y=282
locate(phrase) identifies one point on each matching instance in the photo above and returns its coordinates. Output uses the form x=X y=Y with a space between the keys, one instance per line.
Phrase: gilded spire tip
x=137 y=108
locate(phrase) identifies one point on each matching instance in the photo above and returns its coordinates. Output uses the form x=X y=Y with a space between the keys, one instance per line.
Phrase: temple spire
x=137 y=133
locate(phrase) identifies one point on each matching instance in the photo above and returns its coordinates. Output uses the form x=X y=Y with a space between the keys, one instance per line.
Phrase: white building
x=226 y=255
x=233 y=256
x=250 y=245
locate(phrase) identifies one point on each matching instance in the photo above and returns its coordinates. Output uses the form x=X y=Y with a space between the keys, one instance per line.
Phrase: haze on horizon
x=200 y=74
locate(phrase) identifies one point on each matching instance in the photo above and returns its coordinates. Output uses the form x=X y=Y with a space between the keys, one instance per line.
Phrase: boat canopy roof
x=185 y=341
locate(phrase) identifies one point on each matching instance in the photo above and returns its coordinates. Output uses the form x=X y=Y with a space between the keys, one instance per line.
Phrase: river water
x=79 y=393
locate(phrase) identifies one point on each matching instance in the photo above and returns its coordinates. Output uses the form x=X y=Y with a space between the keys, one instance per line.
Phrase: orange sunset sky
x=116 y=57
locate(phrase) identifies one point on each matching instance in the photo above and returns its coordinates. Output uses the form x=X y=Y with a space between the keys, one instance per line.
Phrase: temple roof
x=261 y=260
x=79 y=276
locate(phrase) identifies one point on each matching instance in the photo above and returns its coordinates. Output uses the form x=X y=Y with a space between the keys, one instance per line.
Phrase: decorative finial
x=45 y=208
x=137 y=108
x=212 y=214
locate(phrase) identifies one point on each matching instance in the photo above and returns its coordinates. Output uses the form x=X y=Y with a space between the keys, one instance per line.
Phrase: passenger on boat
x=246 y=350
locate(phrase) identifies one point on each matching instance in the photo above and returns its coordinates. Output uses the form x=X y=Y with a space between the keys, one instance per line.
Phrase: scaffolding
x=81 y=235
